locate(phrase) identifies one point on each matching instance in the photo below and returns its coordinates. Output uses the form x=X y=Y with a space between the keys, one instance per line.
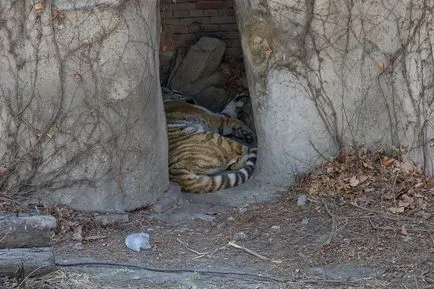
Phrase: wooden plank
x=36 y=261
x=26 y=231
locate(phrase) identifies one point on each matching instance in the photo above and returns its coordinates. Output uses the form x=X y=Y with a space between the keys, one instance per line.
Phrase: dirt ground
x=349 y=234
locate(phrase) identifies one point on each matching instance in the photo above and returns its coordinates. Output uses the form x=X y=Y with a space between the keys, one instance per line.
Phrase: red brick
x=168 y=46
x=230 y=35
x=180 y=13
x=167 y=29
x=228 y=27
x=210 y=12
x=205 y=20
x=187 y=21
x=210 y=27
x=226 y=12
x=167 y=13
x=183 y=6
x=170 y=21
x=193 y=28
x=223 y=19
x=211 y=4
x=195 y=13
x=180 y=29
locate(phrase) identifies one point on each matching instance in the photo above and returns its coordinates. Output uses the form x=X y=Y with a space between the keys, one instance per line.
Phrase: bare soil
x=359 y=238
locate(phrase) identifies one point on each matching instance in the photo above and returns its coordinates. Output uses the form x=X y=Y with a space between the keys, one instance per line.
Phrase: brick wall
x=183 y=22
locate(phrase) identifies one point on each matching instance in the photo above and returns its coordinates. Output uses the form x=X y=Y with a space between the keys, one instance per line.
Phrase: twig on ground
x=5 y=235
x=251 y=252
x=93 y=238
x=191 y=250
x=209 y=254
x=388 y=228
x=332 y=233
x=385 y=214
x=22 y=283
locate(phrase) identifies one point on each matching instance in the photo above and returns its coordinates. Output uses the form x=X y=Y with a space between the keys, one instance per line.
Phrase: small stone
x=305 y=221
x=137 y=241
x=78 y=246
x=231 y=219
x=203 y=217
x=242 y=210
x=275 y=228
x=301 y=200
x=108 y=219
x=239 y=236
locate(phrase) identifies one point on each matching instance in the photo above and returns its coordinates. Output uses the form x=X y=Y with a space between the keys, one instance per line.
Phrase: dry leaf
x=78 y=234
x=408 y=167
x=77 y=76
x=430 y=182
x=396 y=210
x=387 y=161
x=389 y=196
x=362 y=178
x=380 y=65
x=354 y=181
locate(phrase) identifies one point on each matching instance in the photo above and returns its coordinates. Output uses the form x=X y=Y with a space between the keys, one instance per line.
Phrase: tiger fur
x=208 y=151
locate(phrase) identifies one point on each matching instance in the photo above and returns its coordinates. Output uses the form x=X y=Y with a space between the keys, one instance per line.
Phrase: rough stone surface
x=30 y=231
x=201 y=62
x=81 y=116
x=327 y=74
x=112 y=219
x=37 y=261
x=213 y=98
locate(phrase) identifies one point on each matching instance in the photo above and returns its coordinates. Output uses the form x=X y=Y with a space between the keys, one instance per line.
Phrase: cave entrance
x=216 y=74
x=183 y=24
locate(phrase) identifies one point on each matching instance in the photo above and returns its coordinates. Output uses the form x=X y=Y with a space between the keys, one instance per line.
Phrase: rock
x=304 y=221
x=217 y=79
x=169 y=200
x=203 y=217
x=78 y=246
x=240 y=236
x=202 y=60
x=39 y=261
x=94 y=138
x=298 y=114
x=275 y=228
x=212 y=98
x=137 y=241
x=231 y=219
x=27 y=231
x=110 y=219
x=302 y=200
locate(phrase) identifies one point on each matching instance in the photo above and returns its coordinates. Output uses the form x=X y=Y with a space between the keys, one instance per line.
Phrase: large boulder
x=198 y=69
x=81 y=116
x=328 y=74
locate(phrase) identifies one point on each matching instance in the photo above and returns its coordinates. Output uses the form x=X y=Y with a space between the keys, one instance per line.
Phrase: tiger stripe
x=201 y=158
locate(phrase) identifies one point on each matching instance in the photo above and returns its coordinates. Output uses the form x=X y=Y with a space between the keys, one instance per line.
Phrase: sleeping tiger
x=208 y=151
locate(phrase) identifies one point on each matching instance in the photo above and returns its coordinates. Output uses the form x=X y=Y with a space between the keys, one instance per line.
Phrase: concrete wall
x=326 y=74
x=81 y=114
